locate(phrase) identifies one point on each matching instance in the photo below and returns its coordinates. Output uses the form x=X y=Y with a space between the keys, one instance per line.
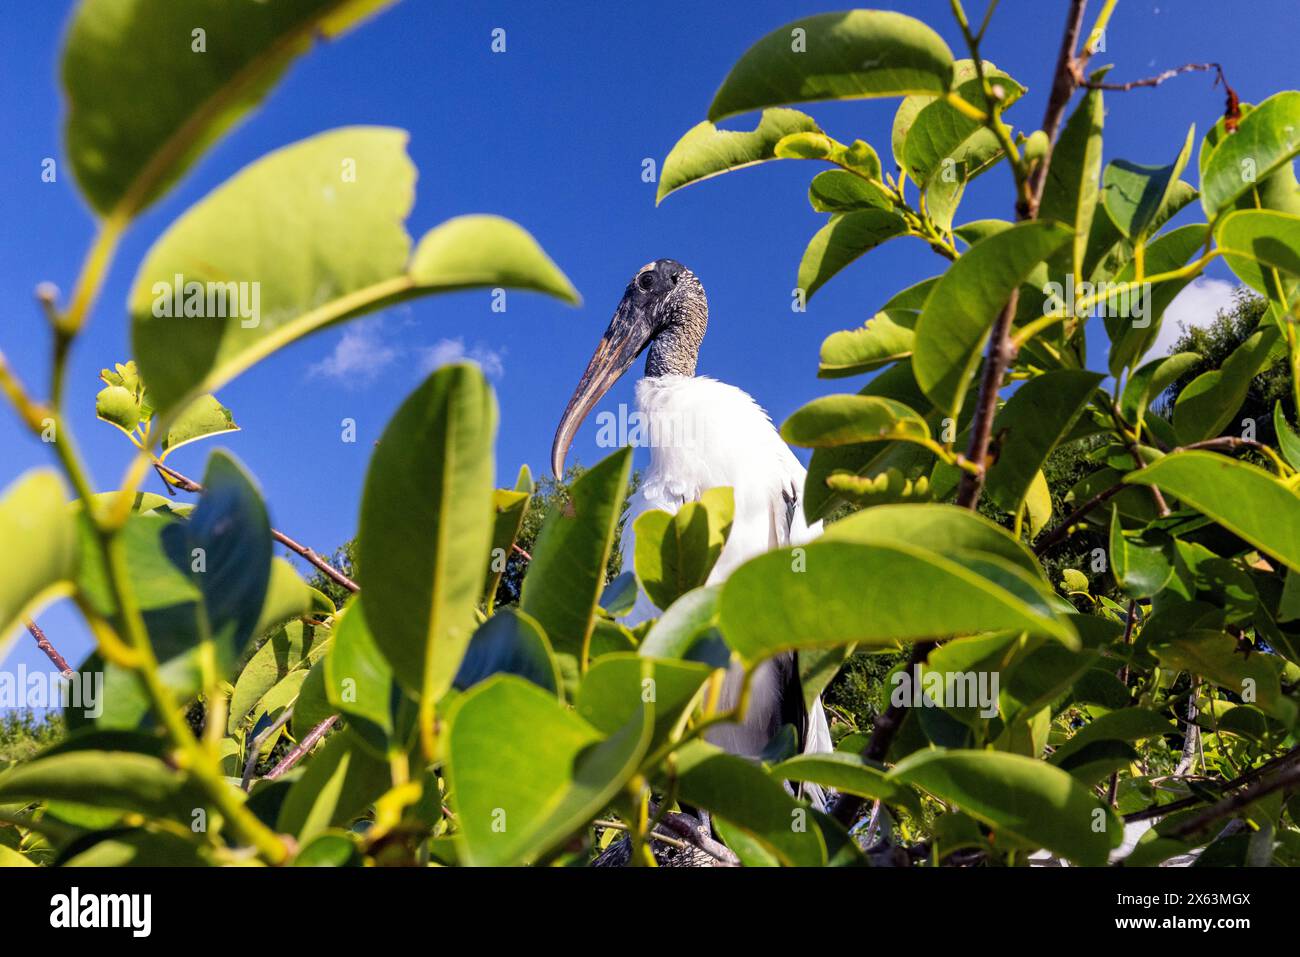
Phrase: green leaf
x=287 y=596
x=848 y=774
x=1073 y=179
x=359 y=680
x=307 y=236
x=879 y=342
x=959 y=529
x=44 y=553
x=280 y=654
x=567 y=572
x=683 y=624
x=1142 y=563
x=706 y=151
x=842 y=240
x=1265 y=142
x=510 y=642
x=1258 y=241
x=118 y=780
x=939 y=132
x=426 y=527
x=1027 y=798
x=1150 y=380
x=1244 y=499
x=1128 y=724
x=860 y=53
x=1214 y=656
x=525 y=772
x=1029 y=427
x=136 y=124
x=675 y=553
x=1210 y=401
x=835 y=420
x=1132 y=337
x=1288 y=442
x=839 y=191
x=340 y=782
x=509 y=508
x=835 y=592
x=618 y=598
x=956 y=320
x=620 y=685
x=744 y=795
x=204 y=417
x=1133 y=194
x=469 y=252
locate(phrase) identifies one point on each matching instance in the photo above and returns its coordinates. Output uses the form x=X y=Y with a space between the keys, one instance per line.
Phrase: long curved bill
x=622 y=342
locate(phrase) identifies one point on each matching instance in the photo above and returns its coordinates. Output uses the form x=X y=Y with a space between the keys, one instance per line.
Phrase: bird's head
x=663 y=307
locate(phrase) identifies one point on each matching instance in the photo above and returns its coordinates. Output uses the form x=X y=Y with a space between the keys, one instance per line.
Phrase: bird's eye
x=675 y=275
x=646 y=280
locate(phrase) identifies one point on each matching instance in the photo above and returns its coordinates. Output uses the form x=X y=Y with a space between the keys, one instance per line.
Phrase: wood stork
x=704 y=434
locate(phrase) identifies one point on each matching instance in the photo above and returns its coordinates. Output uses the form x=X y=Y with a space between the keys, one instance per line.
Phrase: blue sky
x=552 y=133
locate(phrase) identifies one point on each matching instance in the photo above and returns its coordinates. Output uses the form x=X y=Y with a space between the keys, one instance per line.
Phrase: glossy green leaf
x=1133 y=194
x=306 y=236
x=675 y=553
x=835 y=420
x=1208 y=403
x=287 y=596
x=103 y=779
x=136 y=124
x=835 y=592
x=1128 y=724
x=622 y=684
x=1288 y=442
x=839 y=191
x=35 y=515
x=1141 y=562
x=1215 y=657
x=683 y=624
x=1261 y=241
x=1244 y=499
x=706 y=151
x=1027 y=798
x=567 y=572
x=850 y=55
x=842 y=240
x=359 y=679
x=1037 y=417
x=746 y=796
x=956 y=320
x=285 y=650
x=203 y=418
x=1151 y=379
x=525 y=772
x=1264 y=142
x=341 y=780
x=510 y=642
x=426 y=527
x=879 y=342
x=1072 y=188
x=848 y=774
x=940 y=134
x=119 y=407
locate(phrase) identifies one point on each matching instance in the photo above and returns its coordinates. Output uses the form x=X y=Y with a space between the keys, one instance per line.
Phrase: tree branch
x=43 y=643
x=298 y=753
x=172 y=477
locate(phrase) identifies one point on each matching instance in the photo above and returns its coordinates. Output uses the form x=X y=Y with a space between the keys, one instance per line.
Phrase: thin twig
x=43 y=643
x=1236 y=802
x=1153 y=81
x=255 y=749
x=1162 y=810
x=687 y=828
x=305 y=745
x=172 y=477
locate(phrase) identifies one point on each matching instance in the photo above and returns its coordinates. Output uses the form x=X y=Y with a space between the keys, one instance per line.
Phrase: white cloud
x=446 y=351
x=1197 y=305
x=359 y=356
x=365 y=351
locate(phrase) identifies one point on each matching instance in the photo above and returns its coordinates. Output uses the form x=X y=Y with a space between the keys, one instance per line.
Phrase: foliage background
x=561 y=123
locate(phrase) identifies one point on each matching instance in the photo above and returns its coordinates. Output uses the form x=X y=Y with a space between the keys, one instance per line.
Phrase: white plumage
x=706 y=434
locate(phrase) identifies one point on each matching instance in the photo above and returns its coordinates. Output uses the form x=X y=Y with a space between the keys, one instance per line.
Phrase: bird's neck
x=676 y=349
x=668 y=355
